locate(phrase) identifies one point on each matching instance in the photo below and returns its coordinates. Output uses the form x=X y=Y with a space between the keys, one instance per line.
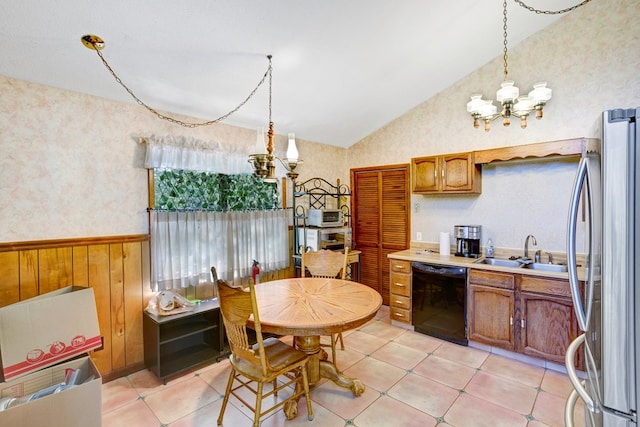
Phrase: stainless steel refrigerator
x=607 y=193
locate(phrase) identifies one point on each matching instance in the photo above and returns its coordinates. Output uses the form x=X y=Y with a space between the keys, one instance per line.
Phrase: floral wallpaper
x=70 y=165
x=590 y=58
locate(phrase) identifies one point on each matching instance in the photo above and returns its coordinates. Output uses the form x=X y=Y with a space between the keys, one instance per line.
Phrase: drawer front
x=398 y=301
x=400 y=284
x=492 y=278
x=400 y=314
x=541 y=285
x=400 y=266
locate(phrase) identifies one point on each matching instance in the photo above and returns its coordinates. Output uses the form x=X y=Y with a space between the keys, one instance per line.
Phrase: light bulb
x=260 y=146
x=292 y=151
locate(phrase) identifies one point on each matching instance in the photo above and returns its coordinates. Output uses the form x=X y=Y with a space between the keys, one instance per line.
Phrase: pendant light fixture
x=263 y=161
x=508 y=96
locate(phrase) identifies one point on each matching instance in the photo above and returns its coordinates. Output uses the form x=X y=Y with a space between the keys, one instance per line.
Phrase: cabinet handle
x=400 y=284
x=511 y=320
x=398 y=302
x=399 y=267
x=522 y=323
x=399 y=315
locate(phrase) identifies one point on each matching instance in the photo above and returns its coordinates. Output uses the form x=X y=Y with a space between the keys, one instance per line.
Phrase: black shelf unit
x=177 y=343
x=317 y=193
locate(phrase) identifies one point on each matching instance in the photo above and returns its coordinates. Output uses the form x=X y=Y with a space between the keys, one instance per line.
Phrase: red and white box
x=40 y=338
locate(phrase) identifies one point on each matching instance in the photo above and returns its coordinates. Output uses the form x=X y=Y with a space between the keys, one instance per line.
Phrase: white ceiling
x=341 y=68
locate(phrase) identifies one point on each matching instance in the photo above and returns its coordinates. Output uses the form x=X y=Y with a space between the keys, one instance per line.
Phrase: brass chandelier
x=509 y=95
x=263 y=160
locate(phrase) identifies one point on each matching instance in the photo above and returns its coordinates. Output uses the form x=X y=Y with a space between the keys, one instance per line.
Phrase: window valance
x=188 y=153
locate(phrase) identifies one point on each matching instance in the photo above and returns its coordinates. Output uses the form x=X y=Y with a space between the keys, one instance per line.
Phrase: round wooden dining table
x=310 y=307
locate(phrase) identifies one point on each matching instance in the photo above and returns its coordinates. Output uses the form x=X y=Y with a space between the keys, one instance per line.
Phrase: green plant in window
x=178 y=189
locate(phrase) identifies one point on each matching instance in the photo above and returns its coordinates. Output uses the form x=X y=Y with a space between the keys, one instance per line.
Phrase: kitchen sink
x=559 y=268
x=499 y=262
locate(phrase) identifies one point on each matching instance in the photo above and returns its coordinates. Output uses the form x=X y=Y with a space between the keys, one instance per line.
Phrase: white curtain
x=187 y=153
x=185 y=245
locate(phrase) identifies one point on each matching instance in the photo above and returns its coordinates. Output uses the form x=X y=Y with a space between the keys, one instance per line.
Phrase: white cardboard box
x=79 y=406
x=39 y=339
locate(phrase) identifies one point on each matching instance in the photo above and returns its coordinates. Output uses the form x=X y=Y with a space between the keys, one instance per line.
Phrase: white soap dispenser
x=489 y=251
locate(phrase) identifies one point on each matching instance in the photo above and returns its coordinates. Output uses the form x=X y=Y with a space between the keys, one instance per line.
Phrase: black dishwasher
x=439 y=300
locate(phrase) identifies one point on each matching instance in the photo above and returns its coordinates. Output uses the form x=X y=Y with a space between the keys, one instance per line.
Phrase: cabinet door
x=426 y=174
x=380 y=206
x=547 y=326
x=366 y=226
x=490 y=316
x=394 y=224
x=458 y=172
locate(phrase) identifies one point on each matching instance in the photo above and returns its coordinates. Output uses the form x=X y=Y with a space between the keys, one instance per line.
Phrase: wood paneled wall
x=118 y=270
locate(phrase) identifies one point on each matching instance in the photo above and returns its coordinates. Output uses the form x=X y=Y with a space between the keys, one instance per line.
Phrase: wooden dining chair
x=329 y=264
x=253 y=366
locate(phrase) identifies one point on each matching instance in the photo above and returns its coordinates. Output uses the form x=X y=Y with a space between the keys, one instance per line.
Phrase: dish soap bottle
x=489 y=251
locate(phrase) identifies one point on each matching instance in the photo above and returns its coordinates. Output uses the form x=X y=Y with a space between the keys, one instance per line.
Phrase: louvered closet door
x=380 y=221
x=366 y=226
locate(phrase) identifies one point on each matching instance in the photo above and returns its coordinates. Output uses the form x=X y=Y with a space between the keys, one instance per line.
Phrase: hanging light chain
x=504 y=27
x=270 y=85
x=180 y=122
x=550 y=12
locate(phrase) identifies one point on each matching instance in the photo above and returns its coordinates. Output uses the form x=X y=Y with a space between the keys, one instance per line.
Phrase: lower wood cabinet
x=173 y=344
x=547 y=319
x=491 y=308
x=522 y=313
x=400 y=290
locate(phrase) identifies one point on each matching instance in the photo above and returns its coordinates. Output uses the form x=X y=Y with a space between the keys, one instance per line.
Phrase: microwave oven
x=325 y=218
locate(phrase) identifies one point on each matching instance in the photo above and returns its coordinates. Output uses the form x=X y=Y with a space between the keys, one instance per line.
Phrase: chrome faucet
x=539 y=255
x=526 y=244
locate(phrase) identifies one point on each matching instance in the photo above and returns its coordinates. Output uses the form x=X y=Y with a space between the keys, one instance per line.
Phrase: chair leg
x=275 y=387
x=232 y=375
x=307 y=395
x=256 y=415
x=333 y=350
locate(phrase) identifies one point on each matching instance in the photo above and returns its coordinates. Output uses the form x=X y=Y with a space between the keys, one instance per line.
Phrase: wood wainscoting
x=118 y=270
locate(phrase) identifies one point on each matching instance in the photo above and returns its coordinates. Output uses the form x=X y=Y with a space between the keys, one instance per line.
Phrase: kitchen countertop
x=452 y=260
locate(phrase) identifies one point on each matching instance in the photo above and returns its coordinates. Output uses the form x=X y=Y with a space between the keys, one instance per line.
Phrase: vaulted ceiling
x=341 y=68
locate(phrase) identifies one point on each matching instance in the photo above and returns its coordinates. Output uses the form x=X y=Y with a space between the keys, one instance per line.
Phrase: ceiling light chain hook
x=550 y=12
x=95 y=43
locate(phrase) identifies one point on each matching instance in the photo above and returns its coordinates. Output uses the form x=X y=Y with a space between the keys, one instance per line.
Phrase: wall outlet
x=418 y=236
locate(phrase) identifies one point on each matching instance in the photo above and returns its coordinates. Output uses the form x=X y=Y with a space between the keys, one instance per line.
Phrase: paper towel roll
x=445 y=243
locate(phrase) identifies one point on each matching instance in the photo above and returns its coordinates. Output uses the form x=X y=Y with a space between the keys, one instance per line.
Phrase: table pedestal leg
x=329 y=370
x=318 y=368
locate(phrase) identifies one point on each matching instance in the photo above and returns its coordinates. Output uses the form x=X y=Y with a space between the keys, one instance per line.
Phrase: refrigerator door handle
x=573 y=376
x=582 y=178
x=569 y=408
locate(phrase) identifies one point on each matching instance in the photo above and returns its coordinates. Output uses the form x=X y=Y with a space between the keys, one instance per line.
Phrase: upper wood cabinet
x=446 y=174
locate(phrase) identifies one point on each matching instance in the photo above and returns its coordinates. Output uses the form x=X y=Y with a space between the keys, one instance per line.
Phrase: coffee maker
x=467 y=240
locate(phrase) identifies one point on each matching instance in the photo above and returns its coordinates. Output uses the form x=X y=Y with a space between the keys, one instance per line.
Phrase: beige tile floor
x=411 y=380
